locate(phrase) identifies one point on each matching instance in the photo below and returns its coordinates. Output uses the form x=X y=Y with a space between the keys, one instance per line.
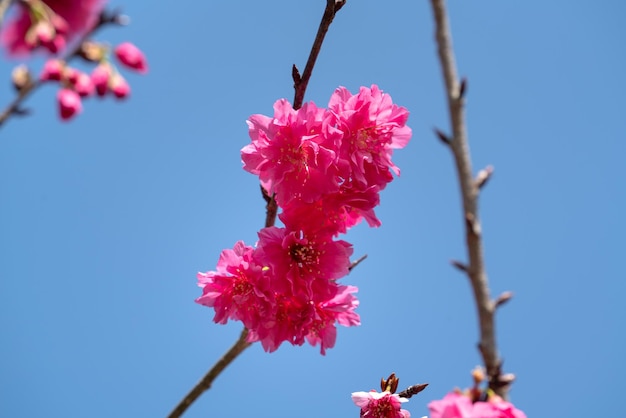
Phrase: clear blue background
x=104 y=221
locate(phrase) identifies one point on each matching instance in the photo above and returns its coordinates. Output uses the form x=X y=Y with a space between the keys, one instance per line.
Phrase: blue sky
x=105 y=221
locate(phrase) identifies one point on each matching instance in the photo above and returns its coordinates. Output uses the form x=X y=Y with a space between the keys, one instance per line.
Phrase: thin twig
x=206 y=382
x=469 y=190
x=15 y=106
x=301 y=82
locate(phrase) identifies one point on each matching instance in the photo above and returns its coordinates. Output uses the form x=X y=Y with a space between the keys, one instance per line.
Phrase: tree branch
x=206 y=382
x=458 y=144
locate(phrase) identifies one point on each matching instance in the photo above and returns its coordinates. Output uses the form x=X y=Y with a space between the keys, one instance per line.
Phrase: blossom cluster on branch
x=49 y=26
x=325 y=169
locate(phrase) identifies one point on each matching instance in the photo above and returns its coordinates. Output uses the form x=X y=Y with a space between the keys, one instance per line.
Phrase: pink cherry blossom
x=57 y=21
x=457 y=405
x=69 y=103
x=132 y=57
x=333 y=213
x=290 y=155
x=231 y=289
x=380 y=405
x=373 y=126
x=300 y=258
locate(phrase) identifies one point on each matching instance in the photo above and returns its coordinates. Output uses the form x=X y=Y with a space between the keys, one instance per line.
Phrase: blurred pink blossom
x=457 y=405
x=132 y=57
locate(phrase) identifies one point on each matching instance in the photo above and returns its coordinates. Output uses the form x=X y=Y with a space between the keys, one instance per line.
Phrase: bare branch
x=206 y=382
x=455 y=91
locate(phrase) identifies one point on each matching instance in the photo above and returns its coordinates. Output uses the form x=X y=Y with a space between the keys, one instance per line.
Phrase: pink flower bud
x=84 y=86
x=131 y=57
x=71 y=74
x=119 y=86
x=52 y=70
x=69 y=103
x=44 y=32
x=100 y=78
x=60 y=25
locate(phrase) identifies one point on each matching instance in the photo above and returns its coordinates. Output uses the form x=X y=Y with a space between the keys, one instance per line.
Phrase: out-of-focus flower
x=380 y=405
x=83 y=85
x=457 y=405
x=100 y=78
x=49 y=24
x=119 y=86
x=132 y=57
x=69 y=103
x=52 y=70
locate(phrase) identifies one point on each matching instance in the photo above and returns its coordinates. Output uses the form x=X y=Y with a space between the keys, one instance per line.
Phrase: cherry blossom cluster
x=325 y=169
x=49 y=26
x=104 y=79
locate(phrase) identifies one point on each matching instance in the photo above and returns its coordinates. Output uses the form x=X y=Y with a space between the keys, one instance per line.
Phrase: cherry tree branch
x=206 y=382
x=470 y=188
x=15 y=107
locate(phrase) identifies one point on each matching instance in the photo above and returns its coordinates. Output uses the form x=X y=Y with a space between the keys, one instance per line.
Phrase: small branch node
x=460 y=266
x=463 y=88
x=503 y=298
x=472 y=224
x=339 y=4
x=483 y=176
x=295 y=74
x=442 y=137
x=357 y=262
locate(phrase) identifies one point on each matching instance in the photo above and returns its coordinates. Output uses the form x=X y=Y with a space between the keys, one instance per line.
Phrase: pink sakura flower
x=132 y=57
x=231 y=289
x=49 y=24
x=333 y=213
x=300 y=258
x=380 y=405
x=69 y=103
x=457 y=405
x=290 y=155
x=372 y=128
x=274 y=309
